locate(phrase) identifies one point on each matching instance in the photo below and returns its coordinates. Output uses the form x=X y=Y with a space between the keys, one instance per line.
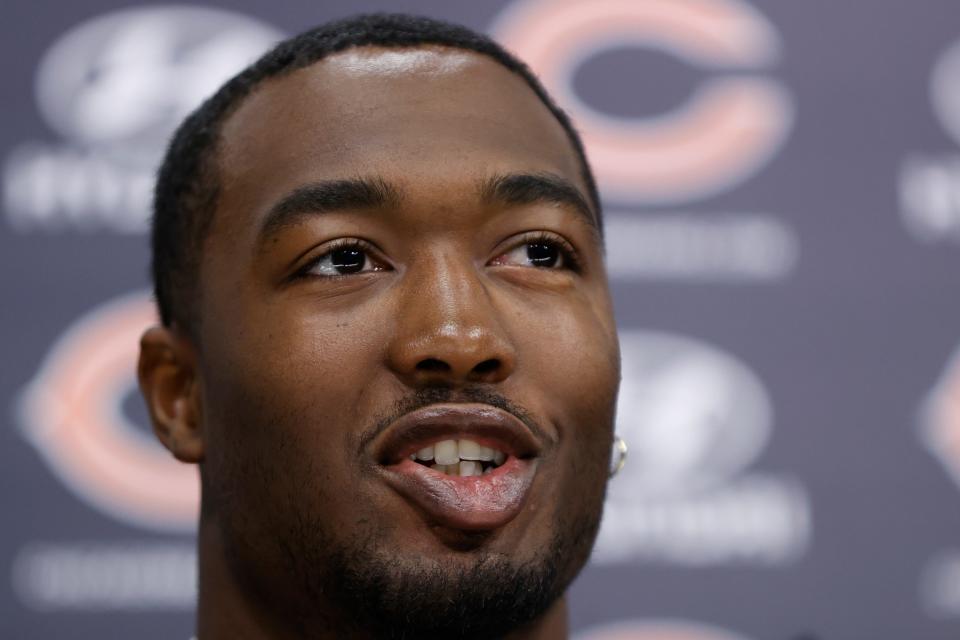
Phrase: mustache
x=436 y=395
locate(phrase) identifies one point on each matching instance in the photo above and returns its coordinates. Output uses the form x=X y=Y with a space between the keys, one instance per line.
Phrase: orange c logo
x=941 y=423
x=729 y=129
x=72 y=413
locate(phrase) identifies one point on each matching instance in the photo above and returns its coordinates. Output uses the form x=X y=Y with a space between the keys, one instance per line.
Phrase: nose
x=448 y=329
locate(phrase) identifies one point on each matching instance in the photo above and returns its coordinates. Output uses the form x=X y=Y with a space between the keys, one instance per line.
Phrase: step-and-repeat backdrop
x=782 y=190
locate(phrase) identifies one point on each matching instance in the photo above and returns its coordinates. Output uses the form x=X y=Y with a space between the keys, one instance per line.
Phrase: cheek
x=293 y=361
x=573 y=368
x=578 y=373
x=573 y=355
x=282 y=403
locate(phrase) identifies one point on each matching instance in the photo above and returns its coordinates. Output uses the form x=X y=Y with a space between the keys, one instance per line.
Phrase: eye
x=542 y=251
x=347 y=258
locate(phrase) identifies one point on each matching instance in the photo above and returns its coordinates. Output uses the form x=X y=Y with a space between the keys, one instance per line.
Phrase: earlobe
x=170 y=386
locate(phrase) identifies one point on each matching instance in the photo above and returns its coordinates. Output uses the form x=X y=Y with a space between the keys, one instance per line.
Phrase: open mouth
x=464 y=466
x=463 y=458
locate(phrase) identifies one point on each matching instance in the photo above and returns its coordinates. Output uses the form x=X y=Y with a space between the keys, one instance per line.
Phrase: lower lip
x=471 y=503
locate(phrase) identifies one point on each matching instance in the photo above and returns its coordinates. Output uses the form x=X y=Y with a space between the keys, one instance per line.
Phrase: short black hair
x=188 y=186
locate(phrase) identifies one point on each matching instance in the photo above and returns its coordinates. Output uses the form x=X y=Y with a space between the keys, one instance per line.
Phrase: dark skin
x=278 y=391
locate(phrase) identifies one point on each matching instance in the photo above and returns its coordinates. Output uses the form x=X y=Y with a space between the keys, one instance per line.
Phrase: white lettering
x=59 y=189
x=714 y=248
x=106 y=577
x=757 y=519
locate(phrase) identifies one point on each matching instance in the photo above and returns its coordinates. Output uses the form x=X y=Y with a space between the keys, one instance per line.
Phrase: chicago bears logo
x=657 y=630
x=939 y=588
x=725 y=133
x=72 y=412
x=940 y=428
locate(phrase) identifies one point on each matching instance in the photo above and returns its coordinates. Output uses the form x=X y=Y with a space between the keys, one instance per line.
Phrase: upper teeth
x=452 y=452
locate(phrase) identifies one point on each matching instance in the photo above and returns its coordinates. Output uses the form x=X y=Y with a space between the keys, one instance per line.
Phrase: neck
x=224 y=610
x=227 y=611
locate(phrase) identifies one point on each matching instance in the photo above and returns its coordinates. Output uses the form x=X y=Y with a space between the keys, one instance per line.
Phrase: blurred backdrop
x=782 y=190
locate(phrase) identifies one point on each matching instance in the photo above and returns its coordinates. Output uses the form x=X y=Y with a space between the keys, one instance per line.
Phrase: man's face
x=398 y=259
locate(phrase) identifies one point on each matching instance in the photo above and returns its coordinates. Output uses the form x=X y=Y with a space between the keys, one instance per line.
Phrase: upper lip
x=481 y=422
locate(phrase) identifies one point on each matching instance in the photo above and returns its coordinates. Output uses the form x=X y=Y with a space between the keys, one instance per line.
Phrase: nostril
x=433 y=365
x=487 y=366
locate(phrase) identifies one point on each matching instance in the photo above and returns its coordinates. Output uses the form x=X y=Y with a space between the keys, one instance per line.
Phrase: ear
x=170 y=385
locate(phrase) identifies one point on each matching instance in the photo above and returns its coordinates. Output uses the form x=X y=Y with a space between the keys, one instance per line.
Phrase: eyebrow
x=367 y=193
x=517 y=189
x=328 y=196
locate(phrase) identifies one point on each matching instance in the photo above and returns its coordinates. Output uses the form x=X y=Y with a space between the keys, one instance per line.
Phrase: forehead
x=426 y=116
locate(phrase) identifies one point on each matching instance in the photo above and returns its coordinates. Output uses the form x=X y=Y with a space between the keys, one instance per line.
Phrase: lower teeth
x=465 y=468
